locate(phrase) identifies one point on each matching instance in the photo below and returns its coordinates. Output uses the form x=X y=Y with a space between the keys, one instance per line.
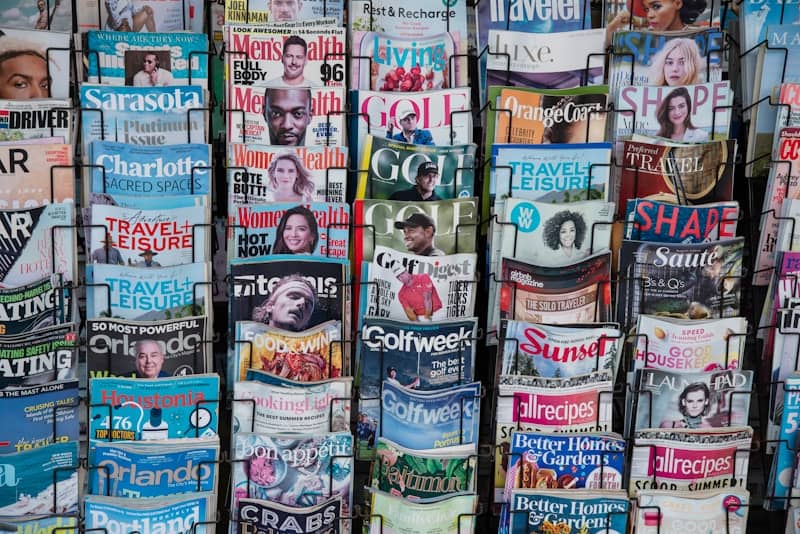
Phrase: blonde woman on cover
x=289 y=181
x=678 y=63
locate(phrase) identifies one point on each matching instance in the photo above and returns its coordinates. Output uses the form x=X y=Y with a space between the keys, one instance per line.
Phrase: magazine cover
x=418 y=476
x=555 y=60
x=554 y=173
x=396 y=170
x=29 y=177
x=40 y=58
x=35 y=306
x=36 y=120
x=147 y=294
x=149 y=16
x=690 y=460
x=38 y=416
x=148 y=238
x=152 y=349
x=440 y=418
x=182 y=513
x=642 y=15
x=558 y=351
x=34 y=15
x=577 y=293
x=429 y=118
x=691 y=281
x=270 y=403
x=284 y=55
x=780 y=485
x=569 y=511
x=418 y=288
x=788 y=237
x=261 y=515
x=527 y=115
x=242 y=12
x=290 y=292
x=316 y=229
x=654 y=58
x=143 y=115
x=151 y=469
x=147 y=60
x=658 y=511
x=260 y=174
x=46 y=524
x=39 y=357
x=665 y=222
x=386 y=61
x=391 y=514
x=37 y=242
x=309 y=356
x=685 y=345
x=40 y=480
x=292 y=469
x=258 y=115
x=161 y=408
x=174 y=169
x=680 y=174
x=686 y=399
x=784 y=354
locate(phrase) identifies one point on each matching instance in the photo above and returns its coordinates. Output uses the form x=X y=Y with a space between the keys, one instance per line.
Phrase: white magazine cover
x=673 y=512
x=43 y=57
x=53 y=15
x=40 y=119
x=274 y=11
x=151 y=15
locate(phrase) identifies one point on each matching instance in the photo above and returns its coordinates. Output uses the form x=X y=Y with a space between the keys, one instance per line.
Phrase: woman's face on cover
x=663 y=14
x=285 y=174
x=23 y=77
x=695 y=403
x=566 y=234
x=675 y=67
x=297 y=234
x=678 y=110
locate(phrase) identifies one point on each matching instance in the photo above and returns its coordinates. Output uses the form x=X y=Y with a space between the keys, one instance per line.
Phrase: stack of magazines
x=38 y=273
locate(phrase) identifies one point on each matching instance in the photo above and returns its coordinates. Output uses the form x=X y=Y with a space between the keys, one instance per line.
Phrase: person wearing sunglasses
x=152 y=75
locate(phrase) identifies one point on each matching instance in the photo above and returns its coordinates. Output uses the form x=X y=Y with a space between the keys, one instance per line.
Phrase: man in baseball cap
x=404 y=113
x=418 y=231
x=425 y=185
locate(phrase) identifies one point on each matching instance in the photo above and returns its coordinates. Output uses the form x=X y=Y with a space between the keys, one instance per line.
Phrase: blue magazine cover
x=150 y=170
x=180 y=513
x=783 y=463
x=572 y=511
x=665 y=222
x=430 y=420
x=41 y=480
x=316 y=228
x=29 y=412
x=126 y=58
x=551 y=173
x=152 y=409
x=152 y=469
x=144 y=293
x=143 y=115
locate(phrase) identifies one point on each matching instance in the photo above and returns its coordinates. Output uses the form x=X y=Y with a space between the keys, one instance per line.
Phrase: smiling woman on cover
x=297 y=232
x=675 y=118
x=289 y=181
x=564 y=233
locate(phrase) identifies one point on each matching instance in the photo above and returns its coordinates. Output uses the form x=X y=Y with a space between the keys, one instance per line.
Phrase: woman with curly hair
x=297 y=232
x=678 y=63
x=289 y=180
x=661 y=15
x=564 y=233
x=674 y=116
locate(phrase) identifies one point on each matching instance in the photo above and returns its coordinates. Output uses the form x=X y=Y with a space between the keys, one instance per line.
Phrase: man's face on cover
x=417 y=238
x=149 y=359
x=292 y=307
x=288 y=114
x=294 y=61
x=23 y=77
x=284 y=9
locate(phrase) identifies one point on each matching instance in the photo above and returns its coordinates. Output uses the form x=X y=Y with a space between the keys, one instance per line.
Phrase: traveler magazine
x=142 y=410
x=654 y=220
x=126 y=469
x=149 y=60
x=713 y=509
x=35 y=175
x=185 y=512
x=306 y=229
x=291 y=469
x=263 y=514
x=146 y=294
x=390 y=514
x=308 y=356
x=259 y=174
x=35 y=306
x=152 y=349
x=37 y=416
x=46 y=480
x=417 y=288
x=692 y=281
x=397 y=170
x=143 y=115
x=39 y=357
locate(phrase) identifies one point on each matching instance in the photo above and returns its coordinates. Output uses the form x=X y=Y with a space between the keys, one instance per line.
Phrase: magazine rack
x=490 y=106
